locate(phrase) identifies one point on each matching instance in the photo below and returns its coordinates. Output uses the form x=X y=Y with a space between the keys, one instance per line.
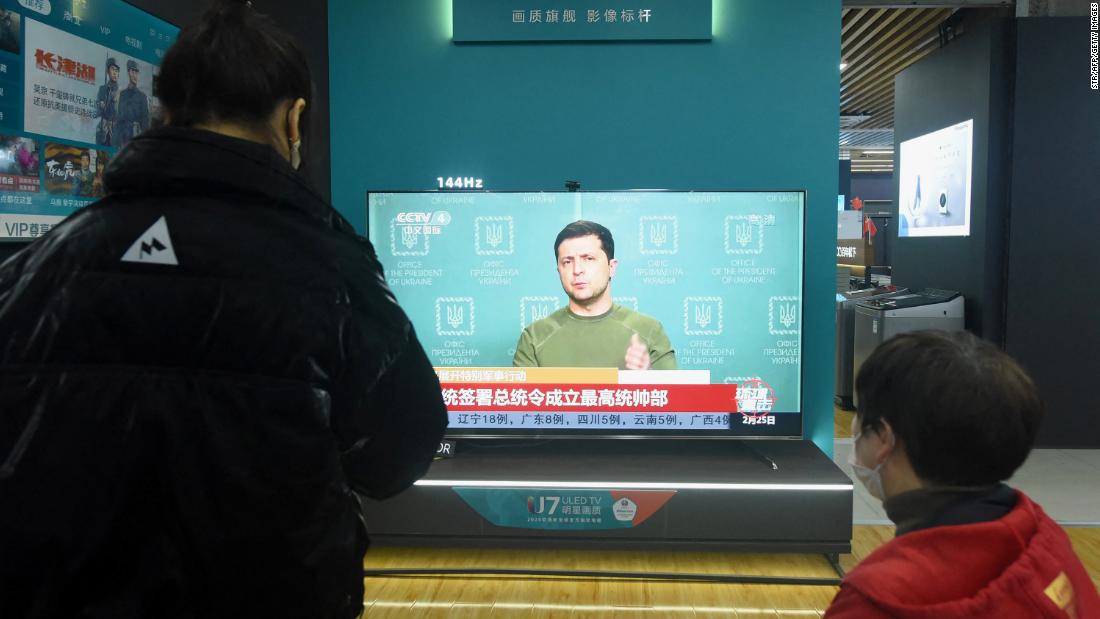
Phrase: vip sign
x=408 y=240
x=494 y=236
x=744 y=234
x=783 y=315
x=703 y=316
x=454 y=316
x=659 y=235
x=532 y=309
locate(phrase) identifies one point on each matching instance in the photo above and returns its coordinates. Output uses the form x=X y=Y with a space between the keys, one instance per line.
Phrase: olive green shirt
x=564 y=339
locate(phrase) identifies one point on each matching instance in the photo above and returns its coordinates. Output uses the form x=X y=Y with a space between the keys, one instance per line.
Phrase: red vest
x=1021 y=565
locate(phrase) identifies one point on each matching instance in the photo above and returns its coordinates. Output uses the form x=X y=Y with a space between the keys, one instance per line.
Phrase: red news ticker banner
x=571 y=398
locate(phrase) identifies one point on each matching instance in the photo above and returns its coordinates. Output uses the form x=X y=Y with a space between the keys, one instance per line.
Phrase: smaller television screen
x=934 y=182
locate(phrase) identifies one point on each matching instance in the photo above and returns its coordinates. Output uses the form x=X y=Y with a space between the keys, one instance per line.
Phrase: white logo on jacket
x=154 y=246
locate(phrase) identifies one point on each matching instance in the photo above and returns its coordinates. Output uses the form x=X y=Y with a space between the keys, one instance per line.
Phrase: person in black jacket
x=197 y=370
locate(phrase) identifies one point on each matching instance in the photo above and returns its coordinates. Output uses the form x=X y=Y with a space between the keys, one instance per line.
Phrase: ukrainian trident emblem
x=787 y=315
x=539 y=312
x=743 y=234
x=703 y=316
x=658 y=234
x=456 y=315
x=409 y=237
x=494 y=235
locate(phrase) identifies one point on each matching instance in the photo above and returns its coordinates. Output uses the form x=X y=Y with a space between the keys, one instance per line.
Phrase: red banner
x=11 y=182
x=567 y=398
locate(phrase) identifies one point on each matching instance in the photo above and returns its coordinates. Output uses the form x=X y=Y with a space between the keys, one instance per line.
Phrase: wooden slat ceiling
x=876 y=44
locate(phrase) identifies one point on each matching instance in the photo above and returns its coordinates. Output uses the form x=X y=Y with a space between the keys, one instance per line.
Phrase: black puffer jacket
x=193 y=371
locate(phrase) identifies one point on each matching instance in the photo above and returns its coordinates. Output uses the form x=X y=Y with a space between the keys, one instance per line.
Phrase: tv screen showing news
x=76 y=84
x=934 y=182
x=619 y=313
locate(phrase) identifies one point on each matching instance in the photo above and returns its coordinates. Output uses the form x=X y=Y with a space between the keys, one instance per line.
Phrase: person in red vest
x=944 y=419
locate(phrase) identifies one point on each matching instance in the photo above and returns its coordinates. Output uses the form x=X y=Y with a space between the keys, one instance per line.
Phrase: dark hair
x=234 y=65
x=581 y=228
x=964 y=411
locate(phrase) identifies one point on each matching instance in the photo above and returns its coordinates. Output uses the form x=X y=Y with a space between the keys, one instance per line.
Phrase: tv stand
x=752 y=448
x=716 y=496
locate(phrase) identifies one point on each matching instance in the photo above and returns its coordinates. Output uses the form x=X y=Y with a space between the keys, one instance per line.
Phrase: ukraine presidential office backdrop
x=722 y=272
x=754 y=107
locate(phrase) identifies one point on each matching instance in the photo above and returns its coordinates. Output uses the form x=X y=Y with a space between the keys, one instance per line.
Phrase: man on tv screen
x=592 y=331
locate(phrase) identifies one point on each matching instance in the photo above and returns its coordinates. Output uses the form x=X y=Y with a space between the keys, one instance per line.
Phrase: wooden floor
x=525 y=596
x=579 y=597
x=842 y=422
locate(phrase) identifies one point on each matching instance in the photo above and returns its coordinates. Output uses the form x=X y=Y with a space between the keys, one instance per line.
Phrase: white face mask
x=871 y=478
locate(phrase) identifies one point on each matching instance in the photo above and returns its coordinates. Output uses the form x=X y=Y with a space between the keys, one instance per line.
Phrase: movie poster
x=81 y=91
x=19 y=164
x=75 y=171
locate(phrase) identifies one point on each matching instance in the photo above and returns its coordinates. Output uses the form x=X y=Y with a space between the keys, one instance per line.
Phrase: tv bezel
x=561 y=433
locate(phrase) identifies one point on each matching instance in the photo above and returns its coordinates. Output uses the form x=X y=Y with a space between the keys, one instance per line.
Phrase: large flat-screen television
x=715 y=276
x=934 y=182
x=76 y=83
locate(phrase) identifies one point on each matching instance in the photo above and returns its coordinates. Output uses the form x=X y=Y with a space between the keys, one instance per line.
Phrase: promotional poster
x=83 y=91
x=19 y=164
x=934 y=182
x=76 y=84
x=75 y=171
